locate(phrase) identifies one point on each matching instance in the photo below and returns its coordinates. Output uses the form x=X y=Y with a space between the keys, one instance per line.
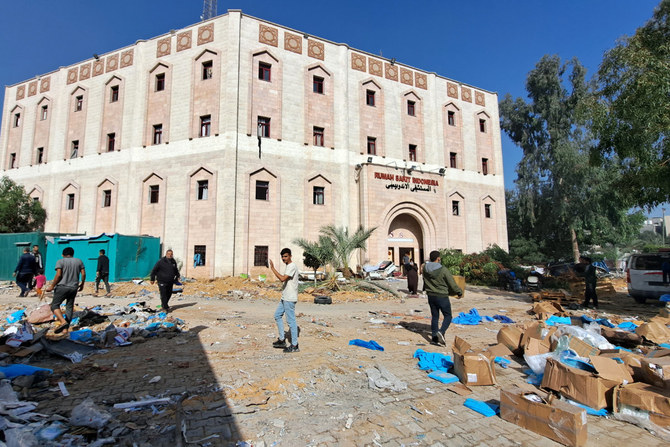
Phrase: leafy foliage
x=561 y=200
x=19 y=213
x=316 y=254
x=631 y=114
x=477 y=268
x=344 y=244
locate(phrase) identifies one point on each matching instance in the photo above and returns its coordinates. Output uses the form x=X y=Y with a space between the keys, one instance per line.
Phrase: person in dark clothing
x=166 y=272
x=412 y=272
x=590 y=280
x=102 y=273
x=665 y=267
x=439 y=284
x=24 y=271
x=38 y=261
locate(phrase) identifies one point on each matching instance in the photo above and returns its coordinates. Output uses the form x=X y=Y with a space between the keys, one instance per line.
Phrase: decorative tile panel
x=406 y=76
x=452 y=90
x=421 y=80
x=184 y=41
x=72 y=75
x=391 y=71
x=84 y=72
x=163 y=47
x=466 y=94
x=268 y=35
x=127 y=58
x=32 y=88
x=45 y=84
x=479 y=99
x=112 y=62
x=293 y=42
x=206 y=34
x=20 y=92
x=358 y=62
x=98 y=67
x=375 y=67
x=315 y=49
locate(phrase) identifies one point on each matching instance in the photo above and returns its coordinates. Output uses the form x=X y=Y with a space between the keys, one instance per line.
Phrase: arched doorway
x=405 y=236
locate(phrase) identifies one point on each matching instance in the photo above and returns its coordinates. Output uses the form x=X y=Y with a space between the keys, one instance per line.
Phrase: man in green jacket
x=439 y=284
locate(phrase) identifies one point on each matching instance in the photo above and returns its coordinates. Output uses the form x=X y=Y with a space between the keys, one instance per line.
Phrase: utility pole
x=663 y=226
x=208 y=9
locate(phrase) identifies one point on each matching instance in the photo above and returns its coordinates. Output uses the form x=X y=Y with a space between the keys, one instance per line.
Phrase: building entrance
x=405 y=237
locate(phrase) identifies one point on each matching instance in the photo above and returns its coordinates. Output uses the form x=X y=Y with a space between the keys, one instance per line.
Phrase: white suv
x=644 y=276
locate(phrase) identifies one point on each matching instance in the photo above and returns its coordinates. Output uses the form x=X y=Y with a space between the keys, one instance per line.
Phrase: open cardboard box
x=473 y=367
x=555 y=419
x=510 y=336
x=644 y=397
x=656 y=371
x=591 y=389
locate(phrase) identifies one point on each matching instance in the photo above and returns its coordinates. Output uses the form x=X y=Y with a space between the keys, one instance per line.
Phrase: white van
x=645 y=277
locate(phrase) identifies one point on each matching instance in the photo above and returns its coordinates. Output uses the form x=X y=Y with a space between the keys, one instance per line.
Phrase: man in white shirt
x=289 y=297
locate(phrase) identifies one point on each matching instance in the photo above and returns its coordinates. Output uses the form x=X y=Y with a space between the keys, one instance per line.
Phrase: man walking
x=167 y=272
x=102 y=273
x=66 y=285
x=289 y=297
x=24 y=271
x=439 y=284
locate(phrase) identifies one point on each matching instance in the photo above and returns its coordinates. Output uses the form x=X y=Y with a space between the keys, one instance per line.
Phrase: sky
x=490 y=44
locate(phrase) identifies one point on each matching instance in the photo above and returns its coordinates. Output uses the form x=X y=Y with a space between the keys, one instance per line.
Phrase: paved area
x=237 y=388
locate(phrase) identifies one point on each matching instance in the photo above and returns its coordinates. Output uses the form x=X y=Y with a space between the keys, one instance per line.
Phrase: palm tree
x=343 y=244
x=316 y=254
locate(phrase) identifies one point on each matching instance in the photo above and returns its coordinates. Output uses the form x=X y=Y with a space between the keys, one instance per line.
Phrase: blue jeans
x=288 y=308
x=438 y=304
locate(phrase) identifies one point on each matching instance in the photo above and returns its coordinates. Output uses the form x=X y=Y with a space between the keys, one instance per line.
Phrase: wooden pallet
x=558 y=297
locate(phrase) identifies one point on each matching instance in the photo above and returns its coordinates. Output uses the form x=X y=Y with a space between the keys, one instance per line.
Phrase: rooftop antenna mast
x=208 y=9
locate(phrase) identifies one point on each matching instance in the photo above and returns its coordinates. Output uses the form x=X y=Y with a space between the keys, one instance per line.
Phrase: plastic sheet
x=433 y=361
x=471 y=318
x=87 y=414
x=589 y=334
x=367 y=344
x=480 y=407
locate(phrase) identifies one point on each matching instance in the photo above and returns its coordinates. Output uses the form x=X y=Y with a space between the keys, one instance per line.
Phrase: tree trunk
x=575 y=245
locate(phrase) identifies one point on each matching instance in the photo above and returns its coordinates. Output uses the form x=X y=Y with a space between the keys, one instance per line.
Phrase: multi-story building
x=231 y=137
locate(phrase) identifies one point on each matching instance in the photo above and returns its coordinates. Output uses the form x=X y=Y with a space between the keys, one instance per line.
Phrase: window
x=203 y=189
x=412 y=152
x=319 y=195
x=451 y=118
x=317 y=84
x=260 y=256
x=17 y=119
x=205 y=125
x=485 y=166
x=70 y=202
x=12 y=160
x=160 y=82
x=114 y=93
x=107 y=198
x=78 y=103
x=39 y=158
x=264 y=71
x=111 y=140
x=74 y=152
x=153 y=193
x=158 y=134
x=199 y=255
x=482 y=126
x=318 y=136
x=262 y=190
x=372 y=146
x=370 y=97
x=264 y=126
x=455 y=208
x=207 y=70
x=45 y=113
x=411 y=108
x=487 y=210
x=452 y=159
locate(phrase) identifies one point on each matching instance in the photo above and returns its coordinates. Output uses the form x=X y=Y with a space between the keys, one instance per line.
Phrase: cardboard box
x=656 y=371
x=510 y=336
x=473 y=367
x=644 y=397
x=621 y=337
x=591 y=389
x=555 y=419
x=578 y=345
x=632 y=361
x=545 y=309
x=533 y=342
x=460 y=282
x=655 y=332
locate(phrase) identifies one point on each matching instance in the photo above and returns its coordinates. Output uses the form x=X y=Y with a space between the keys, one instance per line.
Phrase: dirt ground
x=236 y=388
